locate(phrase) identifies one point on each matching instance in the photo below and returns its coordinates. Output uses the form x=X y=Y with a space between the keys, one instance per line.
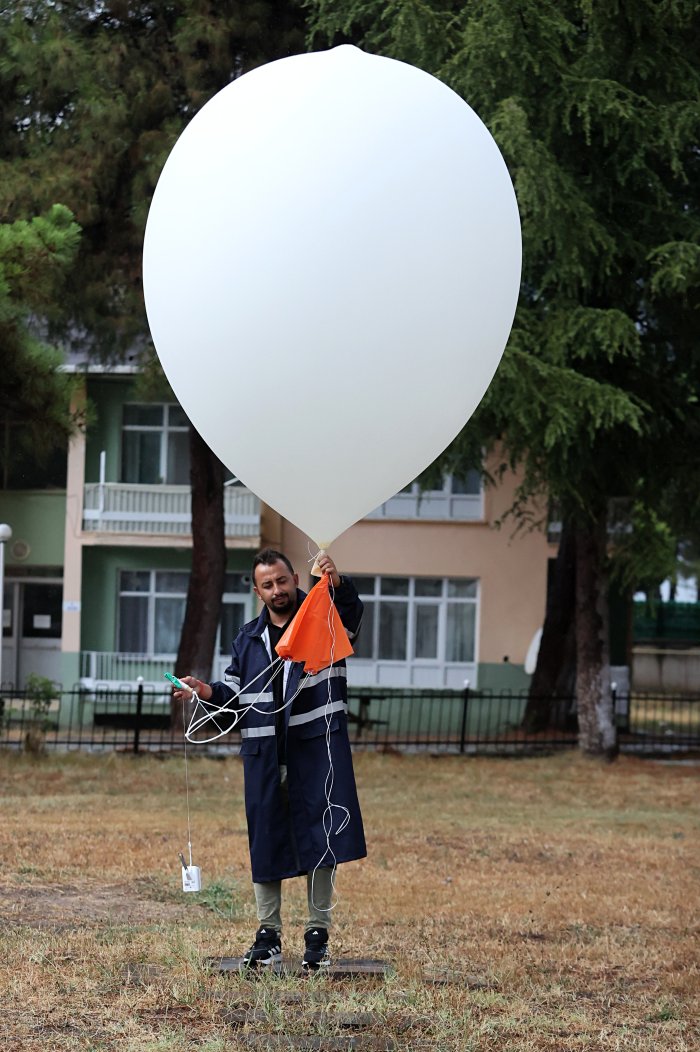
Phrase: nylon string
x=327 y=819
x=187 y=789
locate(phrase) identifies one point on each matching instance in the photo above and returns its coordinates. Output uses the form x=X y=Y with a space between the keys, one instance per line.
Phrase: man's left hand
x=327 y=566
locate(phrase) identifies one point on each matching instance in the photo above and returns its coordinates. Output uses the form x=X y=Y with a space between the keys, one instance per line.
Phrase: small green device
x=176 y=682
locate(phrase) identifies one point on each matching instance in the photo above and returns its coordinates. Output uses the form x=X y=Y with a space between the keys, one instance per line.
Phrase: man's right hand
x=203 y=689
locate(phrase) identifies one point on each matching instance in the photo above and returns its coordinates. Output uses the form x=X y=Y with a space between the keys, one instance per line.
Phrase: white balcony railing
x=123 y=507
x=122 y=670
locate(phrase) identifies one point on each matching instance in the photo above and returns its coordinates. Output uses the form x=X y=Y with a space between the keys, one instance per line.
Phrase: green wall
x=39 y=518
x=70 y=670
x=502 y=676
x=107 y=398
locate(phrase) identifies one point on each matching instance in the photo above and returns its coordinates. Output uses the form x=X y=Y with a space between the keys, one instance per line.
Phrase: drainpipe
x=5 y=535
x=101 y=491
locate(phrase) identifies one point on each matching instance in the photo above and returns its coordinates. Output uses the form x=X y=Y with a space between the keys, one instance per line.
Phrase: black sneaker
x=316 y=953
x=267 y=949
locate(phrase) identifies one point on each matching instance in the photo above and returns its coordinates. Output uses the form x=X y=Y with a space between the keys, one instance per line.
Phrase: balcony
x=105 y=670
x=123 y=507
x=121 y=671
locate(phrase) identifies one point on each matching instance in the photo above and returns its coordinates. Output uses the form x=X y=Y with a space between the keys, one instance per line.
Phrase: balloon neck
x=315 y=572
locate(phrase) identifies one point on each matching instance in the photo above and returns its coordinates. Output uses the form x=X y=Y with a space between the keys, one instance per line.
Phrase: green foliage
x=645 y=547
x=92 y=99
x=222 y=897
x=151 y=383
x=676 y=268
x=595 y=109
x=34 y=258
x=40 y=693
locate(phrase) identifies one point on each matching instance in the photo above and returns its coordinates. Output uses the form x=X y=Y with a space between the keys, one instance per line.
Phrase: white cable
x=240 y=711
x=210 y=713
x=327 y=818
x=187 y=787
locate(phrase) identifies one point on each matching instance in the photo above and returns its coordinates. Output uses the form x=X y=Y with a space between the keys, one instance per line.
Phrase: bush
x=40 y=693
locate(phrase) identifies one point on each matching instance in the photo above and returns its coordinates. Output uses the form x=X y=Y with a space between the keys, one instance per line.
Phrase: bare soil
x=77 y=905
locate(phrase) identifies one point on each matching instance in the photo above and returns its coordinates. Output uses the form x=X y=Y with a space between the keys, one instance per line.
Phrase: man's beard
x=285 y=607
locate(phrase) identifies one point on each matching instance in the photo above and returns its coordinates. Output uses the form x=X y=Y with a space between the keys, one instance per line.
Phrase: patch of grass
x=665 y=1013
x=542 y=906
x=222 y=897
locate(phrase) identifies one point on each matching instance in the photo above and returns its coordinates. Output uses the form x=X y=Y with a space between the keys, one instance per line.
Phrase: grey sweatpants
x=319 y=891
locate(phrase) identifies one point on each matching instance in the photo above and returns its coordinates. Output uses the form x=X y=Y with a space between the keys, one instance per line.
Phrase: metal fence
x=666 y=624
x=468 y=722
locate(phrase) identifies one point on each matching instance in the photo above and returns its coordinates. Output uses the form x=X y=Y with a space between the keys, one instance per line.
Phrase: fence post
x=139 y=710
x=465 y=709
x=621 y=708
x=613 y=692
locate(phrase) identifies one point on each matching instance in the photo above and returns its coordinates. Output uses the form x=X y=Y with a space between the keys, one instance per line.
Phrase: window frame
x=165 y=429
x=436 y=505
x=152 y=595
x=443 y=601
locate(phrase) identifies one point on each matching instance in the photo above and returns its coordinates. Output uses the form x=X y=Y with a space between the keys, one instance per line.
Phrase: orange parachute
x=316 y=636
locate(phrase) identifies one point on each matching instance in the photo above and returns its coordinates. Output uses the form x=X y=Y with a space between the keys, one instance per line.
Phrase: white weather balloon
x=331 y=268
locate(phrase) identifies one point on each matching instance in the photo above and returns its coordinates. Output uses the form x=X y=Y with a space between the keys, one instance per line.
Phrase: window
x=422 y=619
x=469 y=484
x=152 y=609
x=155 y=444
x=460 y=497
x=42 y=610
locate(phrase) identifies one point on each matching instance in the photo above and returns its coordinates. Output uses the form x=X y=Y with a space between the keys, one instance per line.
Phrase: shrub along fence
x=136 y=719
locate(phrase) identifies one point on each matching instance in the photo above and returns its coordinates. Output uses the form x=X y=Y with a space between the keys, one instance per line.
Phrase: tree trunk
x=206 y=585
x=553 y=682
x=597 y=733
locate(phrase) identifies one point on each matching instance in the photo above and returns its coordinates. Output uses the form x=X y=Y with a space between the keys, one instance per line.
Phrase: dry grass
x=556 y=899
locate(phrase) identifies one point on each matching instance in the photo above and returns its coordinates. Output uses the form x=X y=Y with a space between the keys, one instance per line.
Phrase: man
x=300 y=795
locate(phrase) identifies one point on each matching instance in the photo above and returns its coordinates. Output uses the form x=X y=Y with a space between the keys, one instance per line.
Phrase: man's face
x=277 y=587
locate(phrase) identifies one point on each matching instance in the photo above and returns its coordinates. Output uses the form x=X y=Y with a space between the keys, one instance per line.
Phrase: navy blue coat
x=286 y=828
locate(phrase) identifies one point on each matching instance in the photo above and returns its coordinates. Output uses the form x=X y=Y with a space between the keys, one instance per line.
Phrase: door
x=40 y=622
x=8 y=669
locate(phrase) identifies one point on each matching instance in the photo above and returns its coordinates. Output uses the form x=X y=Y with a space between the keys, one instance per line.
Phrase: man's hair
x=268 y=556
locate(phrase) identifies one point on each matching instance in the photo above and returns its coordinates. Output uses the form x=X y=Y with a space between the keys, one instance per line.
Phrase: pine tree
x=92 y=100
x=36 y=398
x=595 y=108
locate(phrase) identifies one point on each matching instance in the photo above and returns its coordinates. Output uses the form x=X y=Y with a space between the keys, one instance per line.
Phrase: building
x=96 y=571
